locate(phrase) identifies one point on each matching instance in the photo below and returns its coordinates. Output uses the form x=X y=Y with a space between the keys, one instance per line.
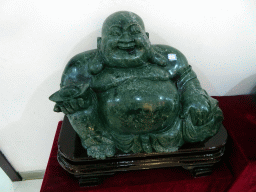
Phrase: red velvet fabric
x=236 y=173
x=240 y=122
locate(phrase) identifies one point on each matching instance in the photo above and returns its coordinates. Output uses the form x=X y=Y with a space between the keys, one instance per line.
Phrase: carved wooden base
x=198 y=158
x=198 y=171
x=92 y=180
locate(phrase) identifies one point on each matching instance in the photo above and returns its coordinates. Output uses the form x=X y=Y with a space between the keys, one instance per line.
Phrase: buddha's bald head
x=122 y=19
x=124 y=44
x=124 y=41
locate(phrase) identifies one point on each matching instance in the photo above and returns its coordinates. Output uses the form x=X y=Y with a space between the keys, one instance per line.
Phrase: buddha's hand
x=197 y=105
x=72 y=106
x=72 y=101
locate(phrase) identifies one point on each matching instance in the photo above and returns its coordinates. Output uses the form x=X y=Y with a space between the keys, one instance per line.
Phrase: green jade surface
x=133 y=96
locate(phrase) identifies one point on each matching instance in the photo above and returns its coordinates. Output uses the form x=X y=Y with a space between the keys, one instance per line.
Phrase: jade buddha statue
x=131 y=96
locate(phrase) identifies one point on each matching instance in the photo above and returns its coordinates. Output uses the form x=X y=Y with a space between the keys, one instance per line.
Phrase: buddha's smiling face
x=124 y=41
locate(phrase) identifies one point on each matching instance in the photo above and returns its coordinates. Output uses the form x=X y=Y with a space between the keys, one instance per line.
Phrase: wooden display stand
x=198 y=158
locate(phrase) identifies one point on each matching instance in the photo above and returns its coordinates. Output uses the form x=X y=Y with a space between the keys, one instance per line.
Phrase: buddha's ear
x=147 y=34
x=96 y=65
x=157 y=58
x=98 y=43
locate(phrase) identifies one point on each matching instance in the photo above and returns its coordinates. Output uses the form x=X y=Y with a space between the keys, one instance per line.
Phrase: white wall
x=37 y=38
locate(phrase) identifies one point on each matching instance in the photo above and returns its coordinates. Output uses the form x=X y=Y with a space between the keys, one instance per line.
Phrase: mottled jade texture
x=133 y=96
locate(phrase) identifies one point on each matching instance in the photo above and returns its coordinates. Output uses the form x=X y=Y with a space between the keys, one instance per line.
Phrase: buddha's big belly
x=139 y=106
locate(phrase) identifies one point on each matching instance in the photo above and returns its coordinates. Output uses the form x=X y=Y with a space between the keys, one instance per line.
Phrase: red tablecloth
x=236 y=173
x=240 y=122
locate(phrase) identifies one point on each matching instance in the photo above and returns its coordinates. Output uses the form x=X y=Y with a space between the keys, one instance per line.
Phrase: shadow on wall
x=248 y=85
x=253 y=93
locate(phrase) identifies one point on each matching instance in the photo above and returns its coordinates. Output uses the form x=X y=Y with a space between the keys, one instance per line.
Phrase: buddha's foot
x=101 y=151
